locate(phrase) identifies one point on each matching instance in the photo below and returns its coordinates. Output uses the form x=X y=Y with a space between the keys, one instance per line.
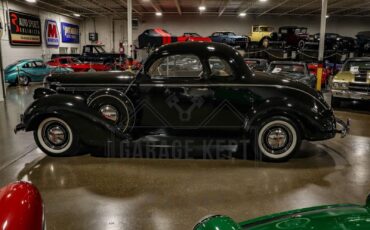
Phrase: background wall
x=12 y=53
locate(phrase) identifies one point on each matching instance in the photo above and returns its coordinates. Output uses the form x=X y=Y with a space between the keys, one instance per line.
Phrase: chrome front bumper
x=351 y=94
x=342 y=127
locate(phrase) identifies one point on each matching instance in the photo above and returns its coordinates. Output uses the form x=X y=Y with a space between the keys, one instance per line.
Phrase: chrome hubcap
x=109 y=112
x=56 y=135
x=277 y=138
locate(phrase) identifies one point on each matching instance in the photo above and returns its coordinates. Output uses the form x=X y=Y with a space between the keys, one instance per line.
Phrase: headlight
x=340 y=85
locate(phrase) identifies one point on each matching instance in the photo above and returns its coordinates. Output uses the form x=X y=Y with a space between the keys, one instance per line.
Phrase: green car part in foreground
x=330 y=217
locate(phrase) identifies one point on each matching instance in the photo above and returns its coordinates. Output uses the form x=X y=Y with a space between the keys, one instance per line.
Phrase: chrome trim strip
x=198 y=85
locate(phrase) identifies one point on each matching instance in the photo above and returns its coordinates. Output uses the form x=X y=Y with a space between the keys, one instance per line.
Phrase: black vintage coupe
x=184 y=90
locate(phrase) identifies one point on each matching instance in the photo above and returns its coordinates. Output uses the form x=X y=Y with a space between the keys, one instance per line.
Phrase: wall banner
x=70 y=33
x=51 y=33
x=25 y=29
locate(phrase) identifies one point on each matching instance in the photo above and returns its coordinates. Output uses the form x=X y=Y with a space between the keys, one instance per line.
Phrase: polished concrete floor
x=89 y=192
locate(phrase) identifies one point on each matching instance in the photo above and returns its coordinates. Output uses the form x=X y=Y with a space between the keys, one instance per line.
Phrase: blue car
x=30 y=70
x=230 y=38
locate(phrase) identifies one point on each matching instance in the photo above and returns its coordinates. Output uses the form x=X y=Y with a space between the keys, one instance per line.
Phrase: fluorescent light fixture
x=327 y=16
x=158 y=14
x=202 y=8
x=242 y=14
x=31 y=1
x=263 y=0
x=77 y=15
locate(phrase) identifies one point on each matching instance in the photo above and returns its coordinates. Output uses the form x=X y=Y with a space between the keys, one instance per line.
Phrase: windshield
x=266 y=29
x=355 y=66
x=75 y=60
x=229 y=34
x=192 y=34
x=100 y=49
x=292 y=70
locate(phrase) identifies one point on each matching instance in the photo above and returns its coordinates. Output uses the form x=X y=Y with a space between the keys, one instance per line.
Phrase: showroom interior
x=185 y=114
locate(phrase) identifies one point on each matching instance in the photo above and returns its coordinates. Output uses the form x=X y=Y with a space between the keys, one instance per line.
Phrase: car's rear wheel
x=56 y=138
x=23 y=80
x=277 y=139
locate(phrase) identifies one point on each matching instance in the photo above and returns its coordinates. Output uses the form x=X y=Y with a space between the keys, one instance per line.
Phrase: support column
x=324 y=11
x=129 y=28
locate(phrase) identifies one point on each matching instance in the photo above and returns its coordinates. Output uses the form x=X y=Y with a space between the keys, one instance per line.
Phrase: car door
x=175 y=94
x=41 y=70
x=230 y=98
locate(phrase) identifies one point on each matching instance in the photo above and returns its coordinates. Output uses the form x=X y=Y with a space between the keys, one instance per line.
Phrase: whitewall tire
x=277 y=139
x=55 y=137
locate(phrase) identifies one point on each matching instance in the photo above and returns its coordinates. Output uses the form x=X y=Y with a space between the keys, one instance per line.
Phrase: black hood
x=111 y=77
x=283 y=80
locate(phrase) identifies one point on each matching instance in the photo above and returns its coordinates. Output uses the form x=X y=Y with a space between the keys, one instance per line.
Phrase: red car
x=326 y=73
x=193 y=37
x=77 y=65
x=130 y=64
x=21 y=207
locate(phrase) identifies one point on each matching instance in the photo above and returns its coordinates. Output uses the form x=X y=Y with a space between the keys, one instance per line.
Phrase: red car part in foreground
x=326 y=72
x=21 y=207
x=193 y=37
x=77 y=65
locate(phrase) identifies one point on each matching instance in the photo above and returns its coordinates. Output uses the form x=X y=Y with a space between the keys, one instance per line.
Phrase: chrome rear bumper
x=342 y=127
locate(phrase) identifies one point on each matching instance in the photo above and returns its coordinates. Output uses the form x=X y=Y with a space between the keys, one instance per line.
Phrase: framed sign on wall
x=70 y=33
x=51 y=33
x=25 y=29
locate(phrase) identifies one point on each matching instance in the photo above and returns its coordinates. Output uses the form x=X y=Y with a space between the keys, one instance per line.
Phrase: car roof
x=200 y=49
x=30 y=59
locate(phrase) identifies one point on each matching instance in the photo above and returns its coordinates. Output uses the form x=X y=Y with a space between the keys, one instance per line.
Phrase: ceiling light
x=263 y=0
x=202 y=8
x=327 y=16
x=77 y=15
x=242 y=14
x=31 y=1
x=158 y=14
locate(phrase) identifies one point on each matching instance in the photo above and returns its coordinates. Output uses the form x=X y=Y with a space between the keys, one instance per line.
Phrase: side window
x=255 y=29
x=88 y=49
x=219 y=67
x=39 y=64
x=181 y=65
x=29 y=65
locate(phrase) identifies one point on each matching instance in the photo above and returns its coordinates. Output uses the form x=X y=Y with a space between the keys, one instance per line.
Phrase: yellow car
x=261 y=34
x=353 y=81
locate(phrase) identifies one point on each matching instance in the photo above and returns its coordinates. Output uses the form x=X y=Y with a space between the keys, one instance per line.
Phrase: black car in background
x=197 y=91
x=335 y=42
x=363 y=41
x=257 y=64
x=291 y=36
x=296 y=71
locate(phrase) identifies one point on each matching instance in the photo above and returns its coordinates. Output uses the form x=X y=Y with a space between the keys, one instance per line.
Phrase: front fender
x=91 y=127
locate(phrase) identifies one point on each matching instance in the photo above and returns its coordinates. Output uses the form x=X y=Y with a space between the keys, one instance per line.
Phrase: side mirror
x=217 y=222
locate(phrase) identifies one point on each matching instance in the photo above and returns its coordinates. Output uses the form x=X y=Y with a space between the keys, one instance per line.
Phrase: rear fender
x=271 y=108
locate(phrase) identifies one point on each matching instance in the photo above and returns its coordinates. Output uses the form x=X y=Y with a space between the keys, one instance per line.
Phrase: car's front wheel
x=56 y=138
x=277 y=139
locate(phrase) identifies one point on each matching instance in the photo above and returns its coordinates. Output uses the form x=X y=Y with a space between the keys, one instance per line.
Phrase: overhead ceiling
x=117 y=8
